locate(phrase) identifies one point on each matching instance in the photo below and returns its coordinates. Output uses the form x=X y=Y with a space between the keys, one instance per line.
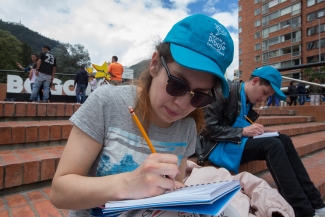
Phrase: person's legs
x=46 y=85
x=291 y=186
x=291 y=100
x=317 y=99
x=83 y=93
x=295 y=100
x=312 y=99
x=36 y=86
x=78 y=95
x=303 y=99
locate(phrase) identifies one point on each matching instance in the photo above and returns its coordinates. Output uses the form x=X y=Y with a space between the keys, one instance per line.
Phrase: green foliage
x=10 y=50
x=25 y=54
x=70 y=58
x=23 y=34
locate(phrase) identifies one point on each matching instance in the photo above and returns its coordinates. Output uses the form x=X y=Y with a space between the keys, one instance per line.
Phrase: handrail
x=306 y=82
x=19 y=71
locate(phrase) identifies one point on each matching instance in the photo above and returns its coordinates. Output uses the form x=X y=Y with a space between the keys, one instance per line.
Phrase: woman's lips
x=171 y=113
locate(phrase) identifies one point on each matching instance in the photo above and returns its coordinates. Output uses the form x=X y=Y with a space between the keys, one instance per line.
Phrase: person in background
x=315 y=93
x=116 y=70
x=106 y=157
x=301 y=88
x=293 y=93
x=34 y=58
x=93 y=82
x=81 y=83
x=32 y=77
x=45 y=71
x=273 y=100
x=228 y=142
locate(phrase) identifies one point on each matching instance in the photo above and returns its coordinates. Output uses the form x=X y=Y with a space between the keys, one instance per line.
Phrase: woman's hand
x=253 y=130
x=153 y=177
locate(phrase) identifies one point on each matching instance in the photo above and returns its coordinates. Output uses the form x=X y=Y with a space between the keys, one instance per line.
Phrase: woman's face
x=166 y=108
x=33 y=58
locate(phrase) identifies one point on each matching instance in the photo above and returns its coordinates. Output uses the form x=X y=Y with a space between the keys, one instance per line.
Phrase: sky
x=128 y=29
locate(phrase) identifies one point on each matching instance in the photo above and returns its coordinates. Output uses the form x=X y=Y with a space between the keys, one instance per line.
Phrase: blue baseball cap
x=201 y=43
x=274 y=77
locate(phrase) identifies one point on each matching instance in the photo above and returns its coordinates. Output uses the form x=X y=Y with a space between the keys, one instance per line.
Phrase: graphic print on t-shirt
x=124 y=152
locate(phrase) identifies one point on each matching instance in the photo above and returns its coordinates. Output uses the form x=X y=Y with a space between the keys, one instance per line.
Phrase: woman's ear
x=255 y=81
x=154 y=64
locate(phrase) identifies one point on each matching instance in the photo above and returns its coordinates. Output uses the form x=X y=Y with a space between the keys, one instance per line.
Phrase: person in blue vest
x=227 y=141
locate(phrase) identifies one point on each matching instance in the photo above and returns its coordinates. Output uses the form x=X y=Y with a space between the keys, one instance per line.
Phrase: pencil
x=139 y=125
x=249 y=120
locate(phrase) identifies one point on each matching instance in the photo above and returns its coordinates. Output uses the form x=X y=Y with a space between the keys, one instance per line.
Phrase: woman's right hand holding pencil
x=153 y=177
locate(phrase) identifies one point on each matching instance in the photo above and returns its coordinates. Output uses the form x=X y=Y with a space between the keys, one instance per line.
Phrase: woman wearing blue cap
x=106 y=157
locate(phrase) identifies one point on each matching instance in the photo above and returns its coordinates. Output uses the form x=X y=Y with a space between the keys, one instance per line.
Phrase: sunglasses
x=177 y=87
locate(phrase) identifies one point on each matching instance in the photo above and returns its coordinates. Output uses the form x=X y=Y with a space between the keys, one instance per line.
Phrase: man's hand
x=253 y=130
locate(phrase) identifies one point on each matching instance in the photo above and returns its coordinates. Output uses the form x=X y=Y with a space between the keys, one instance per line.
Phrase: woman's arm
x=72 y=189
x=30 y=74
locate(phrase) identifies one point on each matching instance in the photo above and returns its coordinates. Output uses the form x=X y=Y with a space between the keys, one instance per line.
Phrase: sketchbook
x=209 y=199
x=267 y=134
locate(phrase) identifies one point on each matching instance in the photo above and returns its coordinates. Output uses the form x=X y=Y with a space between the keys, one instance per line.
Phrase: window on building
x=273 y=28
x=265 y=45
x=257 y=35
x=311 y=45
x=265 y=57
x=285 y=37
x=295 y=22
x=273 y=53
x=296 y=36
x=239 y=19
x=256 y=1
x=257 y=46
x=257 y=23
x=265 y=33
x=240 y=51
x=273 y=41
x=286 y=64
x=239 y=30
x=240 y=62
x=296 y=50
x=285 y=24
x=285 y=11
x=239 y=40
x=310 y=3
x=239 y=7
x=275 y=65
x=257 y=58
x=312 y=59
x=265 y=20
x=321 y=13
x=257 y=11
x=274 y=15
x=265 y=8
x=311 y=16
x=272 y=3
x=296 y=62
x=285 y=50
x=311 y=31
x=318 y=1
x=296 y=9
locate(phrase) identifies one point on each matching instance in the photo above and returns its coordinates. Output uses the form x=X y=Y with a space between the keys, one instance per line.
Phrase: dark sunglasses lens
x=176 y=87
x=200 y=100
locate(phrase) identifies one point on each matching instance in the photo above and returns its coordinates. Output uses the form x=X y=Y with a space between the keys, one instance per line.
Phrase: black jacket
x=81 y=77
x=219 y=117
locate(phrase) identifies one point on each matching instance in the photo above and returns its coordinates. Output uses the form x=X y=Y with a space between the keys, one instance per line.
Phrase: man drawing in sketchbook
x=227 y=141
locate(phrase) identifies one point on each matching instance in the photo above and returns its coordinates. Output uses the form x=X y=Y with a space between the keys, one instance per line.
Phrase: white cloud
x=128 y=29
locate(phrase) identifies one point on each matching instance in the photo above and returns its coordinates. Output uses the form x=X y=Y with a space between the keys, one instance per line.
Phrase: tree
x=26 y=52
x=10 y=50
x=69 y=58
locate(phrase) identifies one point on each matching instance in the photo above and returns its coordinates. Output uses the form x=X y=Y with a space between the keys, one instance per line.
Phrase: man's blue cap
x=274 y=77
x=201 y=43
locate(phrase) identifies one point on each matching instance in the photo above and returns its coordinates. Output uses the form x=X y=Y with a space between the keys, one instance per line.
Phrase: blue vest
x=228 y=154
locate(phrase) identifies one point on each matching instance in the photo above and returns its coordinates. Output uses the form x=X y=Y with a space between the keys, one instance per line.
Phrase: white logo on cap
x=216 y=42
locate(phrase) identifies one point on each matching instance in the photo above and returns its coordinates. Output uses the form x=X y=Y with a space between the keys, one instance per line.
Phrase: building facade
x=280 y=33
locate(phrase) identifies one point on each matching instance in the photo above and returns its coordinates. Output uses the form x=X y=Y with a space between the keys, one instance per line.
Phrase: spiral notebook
x=209 y=199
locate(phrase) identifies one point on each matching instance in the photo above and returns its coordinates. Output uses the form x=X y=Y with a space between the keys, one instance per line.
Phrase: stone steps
x=33 y=136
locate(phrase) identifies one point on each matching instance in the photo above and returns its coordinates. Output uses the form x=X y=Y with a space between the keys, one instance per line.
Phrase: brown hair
x=143 y=105
x=262 y=81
